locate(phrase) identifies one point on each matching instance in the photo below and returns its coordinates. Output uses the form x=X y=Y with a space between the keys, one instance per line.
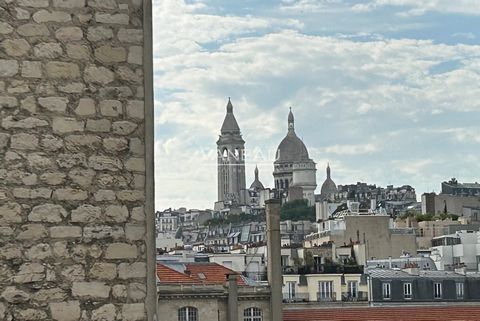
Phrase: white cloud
x=464 y=35
x=354 y=87
x=420 y=7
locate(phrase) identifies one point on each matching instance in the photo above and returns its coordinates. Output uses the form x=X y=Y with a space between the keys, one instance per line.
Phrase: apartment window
x=407 y=290
x=188 y=314
x=325 y=290
x=460 y=290
x=386 y=291
x=284 y=260
x=437 y=290
x=352 y=289
x=252 y=314
x=291 y=289
x=456 y=260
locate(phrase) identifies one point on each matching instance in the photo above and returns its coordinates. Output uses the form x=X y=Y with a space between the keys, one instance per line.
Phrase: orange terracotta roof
x=211 y=273
x=410 y=313
x=168 y=275
x=196 y=273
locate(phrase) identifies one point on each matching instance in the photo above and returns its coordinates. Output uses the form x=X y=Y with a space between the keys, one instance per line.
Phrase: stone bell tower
x=231 y=160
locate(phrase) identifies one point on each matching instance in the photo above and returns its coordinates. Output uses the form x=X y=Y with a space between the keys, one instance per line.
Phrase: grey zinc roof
x=399 y=274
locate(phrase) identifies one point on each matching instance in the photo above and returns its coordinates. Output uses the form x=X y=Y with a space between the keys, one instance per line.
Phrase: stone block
x=99 y=33
x=103 y=232
x=121 y=251
x=43 y=16
x=33 y=30
x=27 y=123
x=48 y=50
x=74 y=272
x=70 y=194
x=14 y=295
x=135 y=164
x=8 y=68
x=49 y=295
x=16 y=47
x=130 y=35
x=32 y=232
x=38 y=252
x=80 y=52
x=131 y=195
x=51 y=213
x=86 y=214
x=69 y=34
x=106 y=312
x=136 y=109
x=119 y=291
x=5 y=28
x=92 y=290
x=70 y=4
x=103 y=271
x=8 y=102
x=64 y=232
x=77 y=143
x=99 y=125
x=33 y=3
x=82 y=177
x=115 y=145
x=104 y=195
x=85 y=107
x=65 y=311
x=98 y=75
x=103 y=4
x=62 y=125
x=28 y=314
x=135 y=55
x=51 y=143
x=137 y=292
x=30 y=272
x=55 y=178
x=24 y=141
x=101 y=163
x=123 y=127
x=10 y=251
x=39 y=161
x=111 y=108
x=32 y=69
x=65 y=70
x=116 y=213
x=72 y=88
x=54 y=104
x=109 y=54
x=119 y=18
x=133 y=312
x=134 y=232
x=132 y=270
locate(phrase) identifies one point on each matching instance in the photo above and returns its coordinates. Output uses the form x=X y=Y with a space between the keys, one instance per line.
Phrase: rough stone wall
x=72 y=160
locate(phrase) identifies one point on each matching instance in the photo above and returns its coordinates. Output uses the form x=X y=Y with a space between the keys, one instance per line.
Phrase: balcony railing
x=297 y=297
x=354 y=297
x=326 y=296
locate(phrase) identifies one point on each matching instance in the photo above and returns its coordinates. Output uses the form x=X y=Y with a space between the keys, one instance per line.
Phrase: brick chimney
x=232 y=303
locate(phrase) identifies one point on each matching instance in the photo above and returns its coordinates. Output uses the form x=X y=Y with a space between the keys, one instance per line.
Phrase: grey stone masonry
x=72 y=221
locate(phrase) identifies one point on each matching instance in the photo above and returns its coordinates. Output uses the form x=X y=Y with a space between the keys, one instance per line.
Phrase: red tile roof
x=168 y=275
x=196 y=273
x=406 y=313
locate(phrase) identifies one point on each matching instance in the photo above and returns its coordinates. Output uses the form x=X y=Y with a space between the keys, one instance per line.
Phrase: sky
x=386 y=91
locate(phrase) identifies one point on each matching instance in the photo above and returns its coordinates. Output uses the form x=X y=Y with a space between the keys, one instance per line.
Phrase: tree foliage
x=297 y=210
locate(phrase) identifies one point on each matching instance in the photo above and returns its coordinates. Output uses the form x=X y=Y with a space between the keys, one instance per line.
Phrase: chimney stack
x=274 y=266
x=232 y=305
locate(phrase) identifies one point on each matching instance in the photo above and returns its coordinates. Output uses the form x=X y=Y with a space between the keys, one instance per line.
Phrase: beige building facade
x=375 y=232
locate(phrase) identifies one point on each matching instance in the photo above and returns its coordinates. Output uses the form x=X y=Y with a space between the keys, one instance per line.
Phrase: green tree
x=297 y=210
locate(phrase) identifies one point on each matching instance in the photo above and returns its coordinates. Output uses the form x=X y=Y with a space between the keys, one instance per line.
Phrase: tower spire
x=256 y=172
x=291 y=121
x=229 y=106
x=328 y=170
